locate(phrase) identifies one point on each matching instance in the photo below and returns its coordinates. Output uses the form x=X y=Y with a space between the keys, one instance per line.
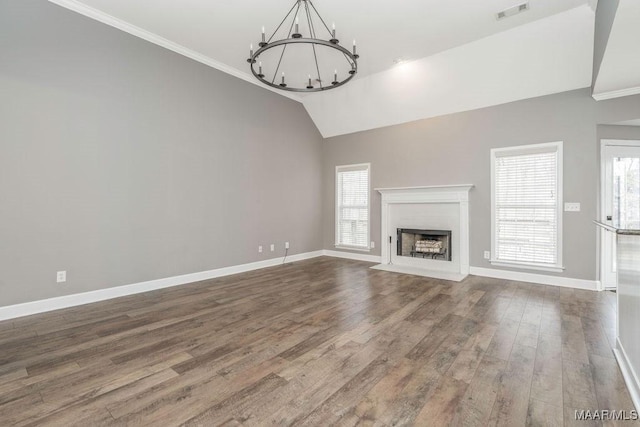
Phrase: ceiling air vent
x=514 y=10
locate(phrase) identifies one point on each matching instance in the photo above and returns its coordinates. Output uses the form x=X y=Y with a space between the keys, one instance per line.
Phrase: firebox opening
x=429 y=244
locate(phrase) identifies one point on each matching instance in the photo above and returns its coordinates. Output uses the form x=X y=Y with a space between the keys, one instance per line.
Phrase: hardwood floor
x=319 y=342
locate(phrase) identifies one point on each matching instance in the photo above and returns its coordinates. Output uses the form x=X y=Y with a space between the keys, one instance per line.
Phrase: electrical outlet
x=273 y=247
x=61 y=276
x=286 y=245
x=572 y=207
x=373 y=244
x=487 y=255
x=260 y=249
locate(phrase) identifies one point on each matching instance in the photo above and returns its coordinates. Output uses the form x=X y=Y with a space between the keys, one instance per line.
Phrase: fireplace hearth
x=428 y=244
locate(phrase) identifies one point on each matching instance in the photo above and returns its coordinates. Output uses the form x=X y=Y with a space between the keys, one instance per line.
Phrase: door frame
x=602 y=211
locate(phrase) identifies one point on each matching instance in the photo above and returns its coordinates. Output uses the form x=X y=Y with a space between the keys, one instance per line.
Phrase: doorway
x=620 y=199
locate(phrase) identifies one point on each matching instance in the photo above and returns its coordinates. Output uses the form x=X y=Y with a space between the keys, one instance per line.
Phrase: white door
x=620 y=199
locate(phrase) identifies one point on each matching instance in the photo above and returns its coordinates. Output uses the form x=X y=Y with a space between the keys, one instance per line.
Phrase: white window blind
x=526 y=186
x=352 y=206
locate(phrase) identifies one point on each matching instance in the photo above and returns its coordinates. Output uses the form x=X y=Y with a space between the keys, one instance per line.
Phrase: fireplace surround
x=430 y=208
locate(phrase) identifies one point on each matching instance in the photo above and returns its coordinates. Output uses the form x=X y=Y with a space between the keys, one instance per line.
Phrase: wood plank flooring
x=317 y=343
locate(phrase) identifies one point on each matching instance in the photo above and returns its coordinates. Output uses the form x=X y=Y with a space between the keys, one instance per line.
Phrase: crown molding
x=112 y=21
x=616 y=93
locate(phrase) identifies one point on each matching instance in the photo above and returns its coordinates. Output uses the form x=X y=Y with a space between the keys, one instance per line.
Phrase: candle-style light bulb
x=335 y=77
x=297 y=25
x=263 y=35
x=251 y=49
x=309 y=79
x=283 y=77
x=333 y=31
x=260 y=67
x=354 y=46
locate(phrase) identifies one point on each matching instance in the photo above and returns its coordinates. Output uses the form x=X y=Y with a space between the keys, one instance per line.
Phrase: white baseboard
x=57 y=303
x=629 y=374
x=41 y=306
x=542 y=279
x=352 y=255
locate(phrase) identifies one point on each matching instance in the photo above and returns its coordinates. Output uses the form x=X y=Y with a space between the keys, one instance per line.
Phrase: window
x=526 y=206
x=352 y=206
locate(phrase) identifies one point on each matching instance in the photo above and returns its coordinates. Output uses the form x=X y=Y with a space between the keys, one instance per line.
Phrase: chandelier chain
x=321 y=20
x=309 y=21
x=315 y=56
x=283 y=21
x=284 y=48
x=312 y=30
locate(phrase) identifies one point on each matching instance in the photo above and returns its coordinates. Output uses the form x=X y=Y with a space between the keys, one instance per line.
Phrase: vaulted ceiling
x=619 y=74
x=458 y=56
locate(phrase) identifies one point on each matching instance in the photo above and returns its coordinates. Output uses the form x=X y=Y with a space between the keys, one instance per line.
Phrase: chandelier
x=313 y=63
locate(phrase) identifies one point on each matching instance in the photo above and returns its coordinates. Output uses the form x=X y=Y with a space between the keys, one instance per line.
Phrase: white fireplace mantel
x=427 y=194
x=440 y=194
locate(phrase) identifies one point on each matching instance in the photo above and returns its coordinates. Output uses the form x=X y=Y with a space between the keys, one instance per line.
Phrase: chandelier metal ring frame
x=296 y=38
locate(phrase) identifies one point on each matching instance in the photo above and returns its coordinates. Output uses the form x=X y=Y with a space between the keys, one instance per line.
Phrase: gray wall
x=619 y=132
x=455 y=149
x=605 y=15
x=123 y=162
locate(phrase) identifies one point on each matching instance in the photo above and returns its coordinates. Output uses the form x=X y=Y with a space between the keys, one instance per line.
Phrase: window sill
x=522 y=265
x=353 y=248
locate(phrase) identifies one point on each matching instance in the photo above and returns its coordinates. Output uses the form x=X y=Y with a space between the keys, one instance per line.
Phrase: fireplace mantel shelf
x=458 y=187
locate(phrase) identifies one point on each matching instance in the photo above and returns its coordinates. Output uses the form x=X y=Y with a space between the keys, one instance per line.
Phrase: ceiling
x=218 y=33
x=539 y=58
x=619 y=73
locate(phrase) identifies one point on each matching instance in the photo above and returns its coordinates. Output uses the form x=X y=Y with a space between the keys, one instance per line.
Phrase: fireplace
x=426 y=209
x=428 y=244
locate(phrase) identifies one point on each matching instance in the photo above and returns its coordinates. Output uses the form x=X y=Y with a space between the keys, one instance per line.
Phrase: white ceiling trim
x=616 y=93
x=112 y=21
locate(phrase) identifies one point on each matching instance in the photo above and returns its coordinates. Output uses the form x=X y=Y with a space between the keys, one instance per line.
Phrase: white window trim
x=527 y=149
x=337 y=245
